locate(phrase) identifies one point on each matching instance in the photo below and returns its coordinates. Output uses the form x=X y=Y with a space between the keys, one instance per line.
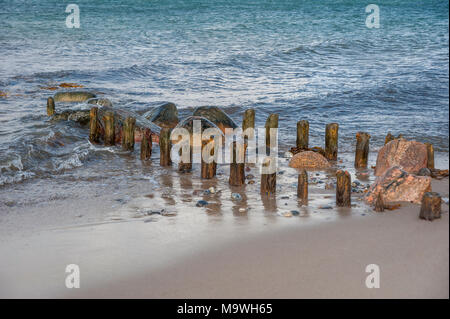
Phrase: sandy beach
x=279 y=258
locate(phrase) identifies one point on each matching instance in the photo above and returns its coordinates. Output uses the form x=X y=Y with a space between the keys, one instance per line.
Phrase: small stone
x=251 y=182
x=250 y=176
x=287 y=214
x=284 y=197
x=325 y=207
x=247 y=169
x=212 y=190
x=288 y=155
x=295 y=212
x=206 y=192
x=201 y=203
x=236 y=196
x=242 y=210
x=281 y=172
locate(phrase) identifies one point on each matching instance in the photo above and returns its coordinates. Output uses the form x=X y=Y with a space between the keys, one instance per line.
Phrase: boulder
x=215 y=115
x=310 y=160
x=397 y=185
x=73 y=96
x=165 y=115
x=410 y=156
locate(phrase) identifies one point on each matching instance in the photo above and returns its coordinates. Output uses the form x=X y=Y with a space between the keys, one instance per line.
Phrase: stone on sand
x=309 y=160
x=410 y=156
x=397 y=185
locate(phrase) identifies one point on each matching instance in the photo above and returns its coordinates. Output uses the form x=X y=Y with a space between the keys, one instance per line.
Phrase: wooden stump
x=430 y=154
x=182 y=166
x=165 y=145
x=268 y=181
x=94 y=131
x=303 y=135
x=272 y=122
x=343 y=189
x=362 y=149
x=146 y=144
x=110 y=129
x=208 y=170
x=431 y=206
x=379 y=205
x=237 y=170
x=128 y=134
x=50 y=106
x=389 y=137
x=302 y=188
x=248 y=122
x=331 y=141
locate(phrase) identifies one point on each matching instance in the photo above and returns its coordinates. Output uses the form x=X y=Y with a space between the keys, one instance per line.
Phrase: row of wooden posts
x=237 y=170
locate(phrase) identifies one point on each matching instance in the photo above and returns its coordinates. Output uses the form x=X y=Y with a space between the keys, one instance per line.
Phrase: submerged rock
x=216 y=116
x=73 y=96
x=81 y=116
x=397 y=185
x=309 y=159
x=101 y=102
x=410 y=156
x=165 y=115
x=236 y=196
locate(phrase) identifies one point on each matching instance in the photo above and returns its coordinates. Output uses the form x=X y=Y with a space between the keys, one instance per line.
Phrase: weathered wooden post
x=182 y=166
x=430 y=154
x=110 y=129
x=208 y=170
x=331 y=141
x=237 y=164
x=94 y=134
x=128 y=134
x=343 y=188
x=165 y=145
x=302 y=187
x=268 y=180
x=302 y=134
x=146 y=144
x=431 y=206
x=379 y=203
x=248 y=121
x=50 y=106
x=271 y=122
x=362 y=149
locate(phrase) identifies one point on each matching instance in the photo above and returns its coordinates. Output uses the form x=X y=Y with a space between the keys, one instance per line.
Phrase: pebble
x=285 y=214
x=295 y=212
x=251 y=182
x=247 y=169
x=236 y=196
x=250 y=176
x=206 y=192
x=212 y=190
x=201 y=203
x=242 y=210
x=325 y=207
x=284 y=197
x=288 y=155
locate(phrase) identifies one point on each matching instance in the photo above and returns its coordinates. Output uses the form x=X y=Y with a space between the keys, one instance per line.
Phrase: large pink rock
x=397 y=185
x=309 y=159
x=410 y=156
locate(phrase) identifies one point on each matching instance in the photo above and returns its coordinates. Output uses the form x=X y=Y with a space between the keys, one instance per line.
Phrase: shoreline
x=234 y=257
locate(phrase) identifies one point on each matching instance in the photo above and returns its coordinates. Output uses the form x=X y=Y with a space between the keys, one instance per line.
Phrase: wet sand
x=275 y=257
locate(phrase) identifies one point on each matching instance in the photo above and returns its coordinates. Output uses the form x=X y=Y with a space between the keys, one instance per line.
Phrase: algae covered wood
x=128 y=134
x=302 y=141
x=431 y=206
x=302 y=187
x=165 y=146
x=271 y=125
x=343 y=188
x=237 y=164
x=362 y=149
x=94 y=130
x=248 y=123
x=146 y=145
x=208 y=165
x=50 y=106
x=331 y=141
x=110 y=129
x=430 y=156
